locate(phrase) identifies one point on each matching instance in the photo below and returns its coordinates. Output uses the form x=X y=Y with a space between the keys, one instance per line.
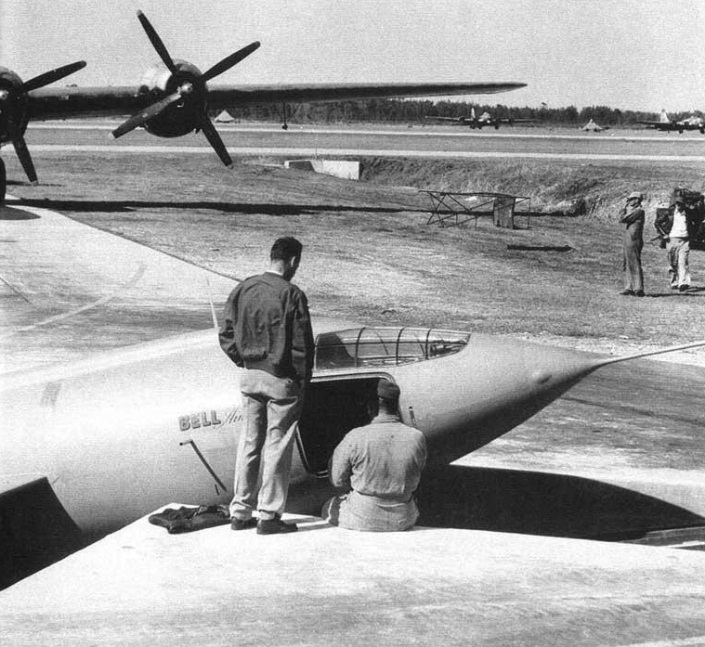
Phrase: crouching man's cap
x=387 y=390
x=635 y=195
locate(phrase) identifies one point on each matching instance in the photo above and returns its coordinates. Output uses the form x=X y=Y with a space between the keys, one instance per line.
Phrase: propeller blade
x=148 y=113
x=230 y=61
x=216 y=142
x=25 y=158
x=52 y=76
x=156 y=42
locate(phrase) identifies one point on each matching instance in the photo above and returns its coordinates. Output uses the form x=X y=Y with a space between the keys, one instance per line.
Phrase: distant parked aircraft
x=485 y=119
x=665 y=124
x=593 y=127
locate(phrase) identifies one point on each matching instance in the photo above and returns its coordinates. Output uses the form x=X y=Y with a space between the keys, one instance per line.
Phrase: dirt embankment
x=553 y=187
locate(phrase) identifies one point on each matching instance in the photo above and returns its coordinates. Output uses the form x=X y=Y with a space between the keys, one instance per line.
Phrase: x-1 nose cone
x=488 y=388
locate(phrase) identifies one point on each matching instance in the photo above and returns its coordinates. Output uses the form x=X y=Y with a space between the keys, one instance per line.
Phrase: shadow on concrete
x=8 y=213
x=540 y=503
x=271 y=209
x=35 y=531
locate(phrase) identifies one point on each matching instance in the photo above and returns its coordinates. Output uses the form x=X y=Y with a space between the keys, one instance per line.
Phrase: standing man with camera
x=632 y=215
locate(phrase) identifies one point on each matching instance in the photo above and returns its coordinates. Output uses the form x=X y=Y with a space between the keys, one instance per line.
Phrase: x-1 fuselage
x=121 y=434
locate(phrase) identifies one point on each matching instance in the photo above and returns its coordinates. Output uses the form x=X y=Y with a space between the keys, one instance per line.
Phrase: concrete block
x=345 y=169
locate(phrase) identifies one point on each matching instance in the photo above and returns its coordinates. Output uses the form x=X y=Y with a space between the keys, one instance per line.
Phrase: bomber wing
x=663 y=123
x=659 y=125
x=456 y=120
x=52 y=103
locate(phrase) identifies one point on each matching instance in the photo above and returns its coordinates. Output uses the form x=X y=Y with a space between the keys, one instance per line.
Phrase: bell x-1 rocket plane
x=90 y=446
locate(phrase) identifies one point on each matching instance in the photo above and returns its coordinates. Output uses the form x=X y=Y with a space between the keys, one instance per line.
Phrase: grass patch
x=371 y=257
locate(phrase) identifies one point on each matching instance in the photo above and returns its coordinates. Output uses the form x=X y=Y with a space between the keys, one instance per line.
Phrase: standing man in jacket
x=380 y=465
x=267 y=331
x=676 y=227
x=632 y=215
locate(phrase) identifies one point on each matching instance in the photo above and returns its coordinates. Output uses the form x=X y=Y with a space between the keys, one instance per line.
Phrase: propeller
x=191 y=91
x=143 y=117
x=157 y=42
x=52 y=76
x=25 y=158
x=15 y=101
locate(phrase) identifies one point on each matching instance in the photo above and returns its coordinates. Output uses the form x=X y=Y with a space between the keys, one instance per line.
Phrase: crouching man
x=380 y=464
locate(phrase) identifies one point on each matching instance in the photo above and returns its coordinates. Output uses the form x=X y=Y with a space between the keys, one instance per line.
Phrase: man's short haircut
x=285 y=248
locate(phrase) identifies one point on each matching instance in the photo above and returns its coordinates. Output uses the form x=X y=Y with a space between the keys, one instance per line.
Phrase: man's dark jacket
x=664 y=221
x=268 y=327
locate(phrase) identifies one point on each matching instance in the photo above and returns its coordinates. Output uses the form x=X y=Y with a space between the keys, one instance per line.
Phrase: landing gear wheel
x=3 y=182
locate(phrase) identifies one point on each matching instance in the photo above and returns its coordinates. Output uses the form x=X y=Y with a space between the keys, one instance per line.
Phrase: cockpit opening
x=331 y=409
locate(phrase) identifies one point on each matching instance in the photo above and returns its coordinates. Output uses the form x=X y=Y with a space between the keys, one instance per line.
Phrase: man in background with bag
x=677 y=226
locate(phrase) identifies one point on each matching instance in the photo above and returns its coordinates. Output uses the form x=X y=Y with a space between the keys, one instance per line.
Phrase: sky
x=626 y=54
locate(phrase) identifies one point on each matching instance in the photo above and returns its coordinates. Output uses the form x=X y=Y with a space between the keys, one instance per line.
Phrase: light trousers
x=271 y=407
x=356 y=511
x=633 y=273
x=678 y=250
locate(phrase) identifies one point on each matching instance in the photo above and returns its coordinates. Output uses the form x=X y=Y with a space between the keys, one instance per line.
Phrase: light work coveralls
x=633 y=244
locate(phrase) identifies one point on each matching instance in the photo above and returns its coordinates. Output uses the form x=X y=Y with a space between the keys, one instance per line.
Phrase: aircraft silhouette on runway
x=665 y=124
x=485 y=119
x=174 y=98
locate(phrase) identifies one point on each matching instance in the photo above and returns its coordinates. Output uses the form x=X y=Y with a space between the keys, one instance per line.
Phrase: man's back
x=383 y=459
x=268 y=327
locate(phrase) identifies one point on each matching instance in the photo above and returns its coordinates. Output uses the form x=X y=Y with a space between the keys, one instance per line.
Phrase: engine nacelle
x=184 y=116
x=14 y=113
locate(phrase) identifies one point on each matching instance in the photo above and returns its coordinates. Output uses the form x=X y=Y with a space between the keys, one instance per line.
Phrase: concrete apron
x=54 y=270
x=329 y=586
x=49 y=249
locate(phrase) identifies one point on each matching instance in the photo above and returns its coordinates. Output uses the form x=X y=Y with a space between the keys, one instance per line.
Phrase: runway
x=419 y=142
x=401 y=131
x=358 y=152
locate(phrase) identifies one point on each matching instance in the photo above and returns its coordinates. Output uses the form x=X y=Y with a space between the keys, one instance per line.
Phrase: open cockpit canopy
x=370 y=347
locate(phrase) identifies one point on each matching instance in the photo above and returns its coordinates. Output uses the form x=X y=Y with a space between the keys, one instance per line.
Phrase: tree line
x=416 y=112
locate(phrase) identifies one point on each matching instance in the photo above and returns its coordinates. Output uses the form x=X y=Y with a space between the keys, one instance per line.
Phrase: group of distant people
x=675 y=226
x=267 y=332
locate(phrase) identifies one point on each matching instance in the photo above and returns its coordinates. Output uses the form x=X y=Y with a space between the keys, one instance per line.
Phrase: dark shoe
x=674 y=286
x=683 y=288
x=639 y=293
x=242 y=524
x=274 y=527
x=627 y=293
